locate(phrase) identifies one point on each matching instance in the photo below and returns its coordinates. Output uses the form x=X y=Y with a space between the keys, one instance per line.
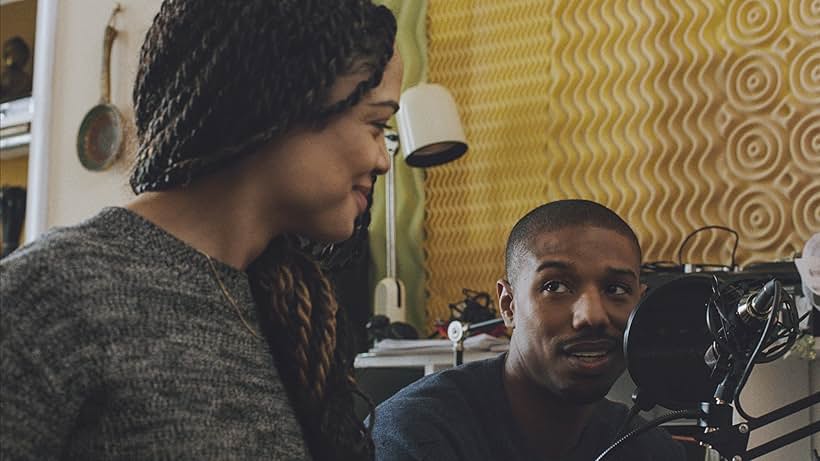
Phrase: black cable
x=753 y=358
x=789 y=313
x=776 y=339
x=792 y=330
x=661 y=266
x=723 y=228
x=712 y=306
x=633 y=411
x=681 y=414
x=788 y=330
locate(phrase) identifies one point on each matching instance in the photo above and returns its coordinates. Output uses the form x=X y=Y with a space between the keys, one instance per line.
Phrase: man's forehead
x=557 y=239
x=569 y=241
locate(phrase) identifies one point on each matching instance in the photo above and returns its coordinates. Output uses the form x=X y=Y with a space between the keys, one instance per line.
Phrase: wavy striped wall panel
x=494 y=57
x=675 y=114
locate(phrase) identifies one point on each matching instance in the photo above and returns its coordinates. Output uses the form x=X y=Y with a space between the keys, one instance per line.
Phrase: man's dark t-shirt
x=463 y=414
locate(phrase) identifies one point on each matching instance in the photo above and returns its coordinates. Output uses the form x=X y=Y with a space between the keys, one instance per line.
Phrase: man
x=572 y=280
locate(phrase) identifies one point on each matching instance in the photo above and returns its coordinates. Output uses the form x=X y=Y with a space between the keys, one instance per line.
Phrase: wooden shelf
x=15 y=127
x=18 y=149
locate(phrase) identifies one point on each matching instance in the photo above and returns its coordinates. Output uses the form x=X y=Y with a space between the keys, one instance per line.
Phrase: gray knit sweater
x=116 y=342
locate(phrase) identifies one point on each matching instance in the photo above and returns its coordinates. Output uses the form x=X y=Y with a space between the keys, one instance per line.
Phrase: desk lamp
x=430 y=131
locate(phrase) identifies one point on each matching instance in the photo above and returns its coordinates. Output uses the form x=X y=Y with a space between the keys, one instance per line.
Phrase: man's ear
x=506 y=303
x=643 y=290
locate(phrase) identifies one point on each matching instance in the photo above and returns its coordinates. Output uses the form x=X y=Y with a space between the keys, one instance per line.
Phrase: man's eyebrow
x=553 y=264
x=623 y=271
x=563 y=265
x=390 y=103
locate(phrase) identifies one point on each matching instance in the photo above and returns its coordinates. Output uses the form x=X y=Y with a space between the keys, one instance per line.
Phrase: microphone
x=691 y=345
x=757 y=307
x=696 y=337
x=750 y=315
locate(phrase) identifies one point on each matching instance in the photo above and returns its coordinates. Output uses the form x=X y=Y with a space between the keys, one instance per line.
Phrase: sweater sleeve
x=35 y=412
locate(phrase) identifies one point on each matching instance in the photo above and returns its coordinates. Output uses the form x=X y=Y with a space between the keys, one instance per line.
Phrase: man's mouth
x=590 y=346
x=591 y=355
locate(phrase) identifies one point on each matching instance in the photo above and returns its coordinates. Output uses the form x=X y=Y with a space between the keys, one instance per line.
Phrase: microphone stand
x=731 y=440
x=715 y=417
x=720 y=434
x=458 y=331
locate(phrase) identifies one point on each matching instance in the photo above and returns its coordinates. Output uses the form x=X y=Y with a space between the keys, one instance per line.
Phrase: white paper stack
x=480 y=342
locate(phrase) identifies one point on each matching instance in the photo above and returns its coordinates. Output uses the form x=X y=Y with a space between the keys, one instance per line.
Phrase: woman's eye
x=382 y=126
x=554 y=286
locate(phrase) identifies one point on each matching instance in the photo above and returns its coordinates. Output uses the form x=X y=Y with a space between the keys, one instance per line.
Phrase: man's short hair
x=558 y=215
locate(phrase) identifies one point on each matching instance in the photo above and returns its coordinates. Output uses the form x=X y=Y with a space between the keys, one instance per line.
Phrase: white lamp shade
x=429 y=126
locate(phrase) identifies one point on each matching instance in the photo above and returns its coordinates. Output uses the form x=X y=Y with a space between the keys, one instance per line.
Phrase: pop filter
x=665 y=341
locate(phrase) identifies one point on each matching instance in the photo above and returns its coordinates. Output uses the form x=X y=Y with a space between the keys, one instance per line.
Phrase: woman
x=188 y=325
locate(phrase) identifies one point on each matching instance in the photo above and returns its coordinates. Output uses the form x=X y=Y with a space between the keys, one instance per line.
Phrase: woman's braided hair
x=217 y=79
x=220 y=78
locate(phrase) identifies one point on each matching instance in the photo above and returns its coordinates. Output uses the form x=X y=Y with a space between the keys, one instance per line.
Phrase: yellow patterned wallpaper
x=675 y=114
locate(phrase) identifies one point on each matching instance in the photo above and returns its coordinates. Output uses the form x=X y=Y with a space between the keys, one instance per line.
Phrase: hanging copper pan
x=100 y=138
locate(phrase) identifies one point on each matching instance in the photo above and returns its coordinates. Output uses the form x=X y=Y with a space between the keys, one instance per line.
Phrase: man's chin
x=585 y=397
x=583 y=393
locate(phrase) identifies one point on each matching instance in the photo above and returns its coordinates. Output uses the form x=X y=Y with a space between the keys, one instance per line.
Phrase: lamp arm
x=473 y=328
x=390 y=208
x=458 y=331
x=389 y=296
x=390 y=217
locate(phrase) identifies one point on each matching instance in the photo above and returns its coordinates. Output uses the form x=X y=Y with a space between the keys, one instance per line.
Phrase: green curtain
x=412 y=44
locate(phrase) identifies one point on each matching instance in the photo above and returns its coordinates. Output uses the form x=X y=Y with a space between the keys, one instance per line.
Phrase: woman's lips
x=361 y=198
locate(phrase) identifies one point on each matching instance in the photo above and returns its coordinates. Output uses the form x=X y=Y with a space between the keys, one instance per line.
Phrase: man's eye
x=554 y=286
x=619 y=290
x=382 y=126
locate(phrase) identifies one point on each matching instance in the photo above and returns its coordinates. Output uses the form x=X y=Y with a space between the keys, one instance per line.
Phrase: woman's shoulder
x=63 y=264
x=111 y=234
x=69 y=246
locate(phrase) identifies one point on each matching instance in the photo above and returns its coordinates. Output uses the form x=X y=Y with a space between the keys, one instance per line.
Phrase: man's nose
x=589 y=311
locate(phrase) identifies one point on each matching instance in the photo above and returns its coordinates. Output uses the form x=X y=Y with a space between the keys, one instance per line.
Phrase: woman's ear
x=506 y=303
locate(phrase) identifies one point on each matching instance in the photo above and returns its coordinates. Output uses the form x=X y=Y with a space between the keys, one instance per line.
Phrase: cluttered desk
x=430 y=354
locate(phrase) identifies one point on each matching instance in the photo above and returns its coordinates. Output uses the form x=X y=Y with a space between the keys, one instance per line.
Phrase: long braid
x=300 y=304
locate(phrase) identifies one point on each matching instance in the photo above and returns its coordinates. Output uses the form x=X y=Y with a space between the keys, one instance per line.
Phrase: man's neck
x=552 y=425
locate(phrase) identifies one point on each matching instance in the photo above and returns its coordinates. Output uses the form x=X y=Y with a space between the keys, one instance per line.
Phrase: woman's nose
x=384 y=160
